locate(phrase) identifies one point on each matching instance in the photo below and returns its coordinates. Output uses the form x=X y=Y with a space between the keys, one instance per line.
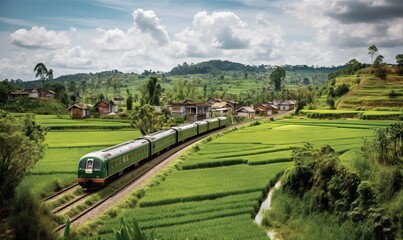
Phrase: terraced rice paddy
x=215 y=189
x=375 y=92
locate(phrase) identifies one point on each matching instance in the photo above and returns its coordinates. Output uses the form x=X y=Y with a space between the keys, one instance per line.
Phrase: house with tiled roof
x=248 y=112
x=79 y=110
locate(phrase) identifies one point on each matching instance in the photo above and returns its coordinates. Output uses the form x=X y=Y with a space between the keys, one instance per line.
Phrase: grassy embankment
x=215 y=189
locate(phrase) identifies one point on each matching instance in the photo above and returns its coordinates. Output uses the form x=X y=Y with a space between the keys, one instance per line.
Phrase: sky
x=76 y=36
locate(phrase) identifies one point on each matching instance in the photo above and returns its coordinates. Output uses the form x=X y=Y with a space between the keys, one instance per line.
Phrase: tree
x=371 y=51
x=399 y=61
x=148 y=120
x=6 y=88
x=277 y=76
x=129 y=102
x=151 y=92
x=43 y=73
x=22 y=144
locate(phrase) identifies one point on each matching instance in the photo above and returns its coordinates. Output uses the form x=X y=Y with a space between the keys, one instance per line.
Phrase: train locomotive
x=97 y=168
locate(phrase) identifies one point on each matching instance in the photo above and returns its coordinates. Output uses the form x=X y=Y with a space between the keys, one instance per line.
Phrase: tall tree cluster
x=151 y=92
x=22 y=144
x=277 y=77
x=148 y=120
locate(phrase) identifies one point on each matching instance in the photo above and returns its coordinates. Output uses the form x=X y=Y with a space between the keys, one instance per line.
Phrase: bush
x=29 y=218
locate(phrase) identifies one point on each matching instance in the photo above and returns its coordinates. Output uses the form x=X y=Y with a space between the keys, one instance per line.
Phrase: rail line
x=61 y=192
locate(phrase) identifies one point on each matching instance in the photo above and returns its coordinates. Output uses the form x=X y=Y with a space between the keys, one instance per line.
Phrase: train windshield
x=90 y=164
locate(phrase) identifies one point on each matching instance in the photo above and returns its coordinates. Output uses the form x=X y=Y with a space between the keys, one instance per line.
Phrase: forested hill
x=213 y=66
x=218 y=66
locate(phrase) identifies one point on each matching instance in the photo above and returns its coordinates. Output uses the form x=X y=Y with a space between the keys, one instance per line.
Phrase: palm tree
x=372 y=50
x=44 y=73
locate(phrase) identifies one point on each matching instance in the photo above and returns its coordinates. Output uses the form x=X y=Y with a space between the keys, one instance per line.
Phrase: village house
x=286 y=105
x=265 y=109
x=105 y=107
x=48 y=94
x=119 y=99
x=178 y=109
x=248 y=112
x=17 y=94
x=79 y=110
x=191 y=111
x=221 y=108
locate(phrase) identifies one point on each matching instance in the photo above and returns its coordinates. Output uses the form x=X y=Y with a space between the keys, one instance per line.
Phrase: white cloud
x=75 y=58
x=148 y=22
x=39 y=37
x=225 y=34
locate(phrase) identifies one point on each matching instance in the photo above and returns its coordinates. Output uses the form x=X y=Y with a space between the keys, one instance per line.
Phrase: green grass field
x=65 y=147
x=215 y=189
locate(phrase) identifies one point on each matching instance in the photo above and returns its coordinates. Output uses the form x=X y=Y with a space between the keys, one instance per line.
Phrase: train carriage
x=213 y=123
x=184 y=132
x=97 y=167
x=223 y=121
x=202 y=126
x=160 y=141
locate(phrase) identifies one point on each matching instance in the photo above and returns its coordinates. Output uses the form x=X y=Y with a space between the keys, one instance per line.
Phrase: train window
x=97 y=165
x=90 y=163
x=82 y=165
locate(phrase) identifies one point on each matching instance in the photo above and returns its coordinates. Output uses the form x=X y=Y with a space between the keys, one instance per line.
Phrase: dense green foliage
x=149 y=120
x=277 y=77
x=29 y=218
x=213 y=66
x=6 y=87
x=363 y=202
x=21 y=146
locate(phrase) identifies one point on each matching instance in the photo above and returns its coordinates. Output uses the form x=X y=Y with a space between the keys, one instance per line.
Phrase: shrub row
x=269 y=161
x=210 y=196
x=254 y=153
x=215 y=164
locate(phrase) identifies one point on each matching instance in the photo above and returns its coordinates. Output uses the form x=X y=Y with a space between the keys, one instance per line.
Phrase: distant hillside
x=218 y=66
x=213 y=66
x=78 y=77
x=370 y=92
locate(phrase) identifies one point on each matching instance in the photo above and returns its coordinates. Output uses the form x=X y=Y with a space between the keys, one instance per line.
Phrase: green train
x=95 y=169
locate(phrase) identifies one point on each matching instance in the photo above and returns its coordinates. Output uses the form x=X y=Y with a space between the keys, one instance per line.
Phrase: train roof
x=201 y=122
x=212 y=120
x=184 y=127
x=159 y=135
x=117 y=150
x=222 y=118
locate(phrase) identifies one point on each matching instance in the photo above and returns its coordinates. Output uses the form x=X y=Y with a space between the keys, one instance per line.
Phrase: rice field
x=366 y=115
x=65 y=147
x=215 y=189
x=375 y=93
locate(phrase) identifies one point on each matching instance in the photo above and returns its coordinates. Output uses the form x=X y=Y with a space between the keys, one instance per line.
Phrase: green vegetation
x=323 y=198
x=21 y=146
x=149 y=120
x=366 y=115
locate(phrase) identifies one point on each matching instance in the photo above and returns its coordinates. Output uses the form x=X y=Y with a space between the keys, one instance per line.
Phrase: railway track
x=60 y=193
